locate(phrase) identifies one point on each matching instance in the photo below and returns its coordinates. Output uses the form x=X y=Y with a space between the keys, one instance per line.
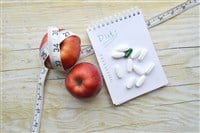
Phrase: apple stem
x=79 y=81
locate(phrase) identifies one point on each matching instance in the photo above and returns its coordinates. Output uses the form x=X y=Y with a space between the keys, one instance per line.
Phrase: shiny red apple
x=69 y=51
x=84 y=80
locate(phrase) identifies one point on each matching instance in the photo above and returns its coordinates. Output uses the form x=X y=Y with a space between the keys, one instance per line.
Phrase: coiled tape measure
x=87 y=50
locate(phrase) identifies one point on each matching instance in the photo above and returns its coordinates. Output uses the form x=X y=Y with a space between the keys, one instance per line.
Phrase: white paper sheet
x=129 y=29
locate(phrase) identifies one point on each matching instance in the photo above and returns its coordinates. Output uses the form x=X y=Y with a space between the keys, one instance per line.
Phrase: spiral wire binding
x=127 y=14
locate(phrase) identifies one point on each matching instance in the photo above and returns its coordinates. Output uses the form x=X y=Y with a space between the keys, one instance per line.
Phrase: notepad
x=127 y=28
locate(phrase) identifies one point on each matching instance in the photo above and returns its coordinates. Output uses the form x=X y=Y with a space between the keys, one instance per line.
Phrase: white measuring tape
x=55 y=37
x=52 y=48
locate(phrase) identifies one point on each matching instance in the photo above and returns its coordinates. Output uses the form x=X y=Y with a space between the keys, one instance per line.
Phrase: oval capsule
x=130 y=82
x=135 y=53
x=138 y=70
x=118 y=71
x=149 y=68
x=143 y=53
x=129 y=65
x=128 y=53
x=140 y=81
x=117 y=55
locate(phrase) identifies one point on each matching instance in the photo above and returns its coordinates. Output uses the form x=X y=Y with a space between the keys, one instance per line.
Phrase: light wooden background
x=174 y=108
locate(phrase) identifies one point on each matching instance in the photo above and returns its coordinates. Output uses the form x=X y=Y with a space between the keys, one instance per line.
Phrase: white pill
x=129 y=65
x=140 y=81
x=130 y=82
x=138 y=70
x=117 y=55
x=149 y=68
x=118 y=71
x=135 y=53
x=143 y=53
x=122 y=48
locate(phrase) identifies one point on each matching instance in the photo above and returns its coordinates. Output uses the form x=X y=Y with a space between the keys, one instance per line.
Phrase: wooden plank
x=174 y=108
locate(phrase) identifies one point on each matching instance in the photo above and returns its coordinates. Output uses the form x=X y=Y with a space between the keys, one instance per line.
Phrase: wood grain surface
x=173 y=109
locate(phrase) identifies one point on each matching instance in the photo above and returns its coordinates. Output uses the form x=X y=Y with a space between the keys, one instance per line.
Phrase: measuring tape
x=55 y=37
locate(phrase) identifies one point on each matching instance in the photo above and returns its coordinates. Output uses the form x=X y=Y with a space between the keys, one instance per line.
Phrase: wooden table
x=174 y=108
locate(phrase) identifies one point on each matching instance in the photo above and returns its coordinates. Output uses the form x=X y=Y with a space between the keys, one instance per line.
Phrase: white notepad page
x=128 y=28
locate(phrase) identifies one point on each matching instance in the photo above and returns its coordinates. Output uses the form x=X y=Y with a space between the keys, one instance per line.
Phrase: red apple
x=84 y=80
x=69 y=53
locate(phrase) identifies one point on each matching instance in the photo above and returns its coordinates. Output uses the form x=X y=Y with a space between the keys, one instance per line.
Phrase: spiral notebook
x=127 y=28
